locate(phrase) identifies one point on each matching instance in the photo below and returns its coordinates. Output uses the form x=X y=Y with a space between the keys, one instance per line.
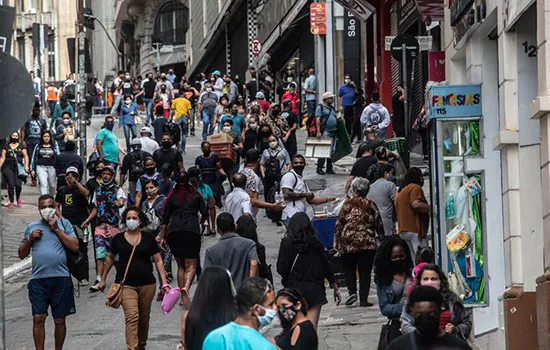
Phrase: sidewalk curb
x=17 y=268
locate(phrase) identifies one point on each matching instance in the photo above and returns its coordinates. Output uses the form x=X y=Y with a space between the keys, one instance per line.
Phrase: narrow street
x=97 y=327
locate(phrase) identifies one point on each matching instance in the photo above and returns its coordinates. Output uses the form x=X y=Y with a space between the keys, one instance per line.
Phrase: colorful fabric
x=357 y=226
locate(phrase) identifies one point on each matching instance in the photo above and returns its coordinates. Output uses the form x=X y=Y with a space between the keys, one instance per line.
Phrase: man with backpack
x=133 y=168
x=326 y=125
x=32 y=132
x=376 y=118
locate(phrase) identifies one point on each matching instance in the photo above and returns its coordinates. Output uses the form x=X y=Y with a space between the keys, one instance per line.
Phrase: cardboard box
x=219 y=138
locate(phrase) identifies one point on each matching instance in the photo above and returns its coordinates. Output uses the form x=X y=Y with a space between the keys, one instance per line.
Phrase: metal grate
x=172 y=23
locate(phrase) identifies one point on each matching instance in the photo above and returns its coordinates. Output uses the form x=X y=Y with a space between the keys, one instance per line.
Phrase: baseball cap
x=327 y=94
x=260 y=94
x=72 y=169
x=217 y=72
x=146 y=129
x=110 y=168
x=287 y=102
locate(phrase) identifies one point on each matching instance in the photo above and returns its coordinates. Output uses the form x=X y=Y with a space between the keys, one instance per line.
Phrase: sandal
x=185 y=300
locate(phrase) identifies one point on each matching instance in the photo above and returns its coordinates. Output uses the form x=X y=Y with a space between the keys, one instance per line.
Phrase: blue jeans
x=184 y=128
x=149 y=110
x=207 y=124
x=127 y=130
x=310 y=108
x=116 y=104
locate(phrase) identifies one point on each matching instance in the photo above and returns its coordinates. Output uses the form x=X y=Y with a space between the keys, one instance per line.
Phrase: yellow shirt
x=181 y=105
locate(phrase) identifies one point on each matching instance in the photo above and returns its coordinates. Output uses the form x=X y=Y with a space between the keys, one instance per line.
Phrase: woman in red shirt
x=291 y=95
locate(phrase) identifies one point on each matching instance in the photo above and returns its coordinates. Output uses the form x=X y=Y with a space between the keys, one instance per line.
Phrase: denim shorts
x=56 y=292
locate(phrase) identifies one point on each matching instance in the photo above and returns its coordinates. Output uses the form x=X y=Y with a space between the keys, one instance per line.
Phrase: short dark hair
x=225 y=222
x=70 y=146
x=166 y=134
x=44 y=197
x=376 y=96
x=239 y=180
x=384 y=168
x=143 y=220
x=425 y=293
x=299 y=156
x=229 y=121
x=109 y=117
x=253 y=291
x=204 y=143
x=252 y=156
x=66 y=113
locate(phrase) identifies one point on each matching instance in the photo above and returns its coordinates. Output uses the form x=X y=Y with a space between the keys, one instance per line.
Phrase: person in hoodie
x=376 y=118
x=128 y=113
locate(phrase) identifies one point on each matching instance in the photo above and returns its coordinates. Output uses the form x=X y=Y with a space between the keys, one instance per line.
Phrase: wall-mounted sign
x=7 y=15
x=424 y=41
x=436 y=66
x=453 y=101
x=352 y=46
x=318 y=18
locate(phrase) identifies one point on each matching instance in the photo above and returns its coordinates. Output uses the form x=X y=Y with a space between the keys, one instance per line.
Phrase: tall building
x=60 y=16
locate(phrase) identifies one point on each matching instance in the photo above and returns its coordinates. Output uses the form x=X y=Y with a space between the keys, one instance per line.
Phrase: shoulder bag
x=114 y=295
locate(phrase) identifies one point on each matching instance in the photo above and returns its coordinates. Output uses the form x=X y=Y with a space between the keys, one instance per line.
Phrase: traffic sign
x=256 y=46
x=157 y=45
x=424 y=41
x=412 y=47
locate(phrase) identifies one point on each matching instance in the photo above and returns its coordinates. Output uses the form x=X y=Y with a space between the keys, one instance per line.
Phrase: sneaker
x=320 y=172
x=94 y=288
x=84 y=283
x=19 y=203
x=365 y=304
x=352 y=299
x=11 y=206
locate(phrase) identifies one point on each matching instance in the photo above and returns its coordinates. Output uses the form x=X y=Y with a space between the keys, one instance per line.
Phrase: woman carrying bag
x=134 y=286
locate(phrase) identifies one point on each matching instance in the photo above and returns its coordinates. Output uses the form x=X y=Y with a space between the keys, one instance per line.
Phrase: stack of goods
x=222 y=145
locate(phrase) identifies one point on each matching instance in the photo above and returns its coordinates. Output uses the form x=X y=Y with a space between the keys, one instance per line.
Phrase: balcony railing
x=26 y=19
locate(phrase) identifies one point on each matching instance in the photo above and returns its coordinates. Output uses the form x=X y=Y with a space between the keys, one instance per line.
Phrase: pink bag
x=170 y=300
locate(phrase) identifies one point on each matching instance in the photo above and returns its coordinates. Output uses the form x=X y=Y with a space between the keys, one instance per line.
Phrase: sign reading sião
x=454 y=101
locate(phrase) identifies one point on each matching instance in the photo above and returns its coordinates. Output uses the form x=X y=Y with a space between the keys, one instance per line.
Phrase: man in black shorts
x=50 y=284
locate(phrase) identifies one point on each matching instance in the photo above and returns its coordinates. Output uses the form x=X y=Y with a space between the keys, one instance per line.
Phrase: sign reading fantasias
x=454 y=101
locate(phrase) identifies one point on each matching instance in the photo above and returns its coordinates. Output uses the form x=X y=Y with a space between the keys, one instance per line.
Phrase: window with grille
x=172 y=23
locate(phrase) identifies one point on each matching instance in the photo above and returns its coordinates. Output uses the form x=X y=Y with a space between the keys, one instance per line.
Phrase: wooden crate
x=225 y=151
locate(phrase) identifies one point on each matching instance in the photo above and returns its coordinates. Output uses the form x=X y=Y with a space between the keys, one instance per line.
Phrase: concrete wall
x=103 y=53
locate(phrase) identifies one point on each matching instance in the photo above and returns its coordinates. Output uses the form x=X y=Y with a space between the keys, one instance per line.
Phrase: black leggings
x=362 y=261
x=14 y=182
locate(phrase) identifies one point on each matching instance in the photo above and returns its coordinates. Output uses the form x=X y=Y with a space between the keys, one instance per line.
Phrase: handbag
x=388 y=333
x=21 y=173
x=114 y=295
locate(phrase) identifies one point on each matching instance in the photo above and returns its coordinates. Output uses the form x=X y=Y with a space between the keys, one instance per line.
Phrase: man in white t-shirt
x=237 y=203
x=297 y=194
x=147 y=143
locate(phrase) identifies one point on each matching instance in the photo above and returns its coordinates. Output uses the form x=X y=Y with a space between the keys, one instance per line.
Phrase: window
x=21 y=49
x=21 y=5
x=51 y=56
x=172 y=23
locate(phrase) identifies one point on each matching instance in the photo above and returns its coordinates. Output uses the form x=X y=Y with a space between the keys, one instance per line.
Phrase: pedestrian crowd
x=145 y=204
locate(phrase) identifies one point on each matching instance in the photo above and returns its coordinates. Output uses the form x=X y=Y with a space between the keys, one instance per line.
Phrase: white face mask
x=347 y=81
x=128 y=102
x=273 y=144
x=226 y=129
x=47 y=213
x=132 y=224
x=66 y=121
x=208 y=89
x=289 y=79
x=253 y=126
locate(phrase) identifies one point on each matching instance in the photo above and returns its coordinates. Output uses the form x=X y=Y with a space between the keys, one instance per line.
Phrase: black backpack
x=137 y=169
x=75 y=261
x=70 y=91
x=273 y=166
x=372 y=173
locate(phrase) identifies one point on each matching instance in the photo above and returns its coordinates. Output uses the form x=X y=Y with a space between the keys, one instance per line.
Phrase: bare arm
x=26 y=160
x=82 y=189
x=160 y=268
x=290 y=195
x=3 y=158
x=70 y=243
x=421 y=207
x=58 y=210
x=100 y=148
x=24 y=249
x=254 y=268
x=258 y=203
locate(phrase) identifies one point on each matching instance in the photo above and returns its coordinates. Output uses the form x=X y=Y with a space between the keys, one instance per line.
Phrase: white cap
x=72 y=169
x=326 y=95
x=260 y=94
x=146 y=129
x=136 y=142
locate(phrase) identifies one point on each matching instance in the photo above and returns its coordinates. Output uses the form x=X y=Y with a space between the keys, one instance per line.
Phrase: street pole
x=406 y=89
x=41 y=48
x=157 y=45
x=81 y=96
x=2 y=302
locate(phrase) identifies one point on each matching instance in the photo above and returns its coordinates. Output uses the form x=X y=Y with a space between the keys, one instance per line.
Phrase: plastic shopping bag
x=170 y=300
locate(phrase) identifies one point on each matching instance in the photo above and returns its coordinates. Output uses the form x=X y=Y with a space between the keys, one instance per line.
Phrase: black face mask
x=427 y=325
x=275 y=112
x=150 y=170
x=166 y=144
x=14 y=139
x=299 y=169
x=207 y=153
x=398 y=266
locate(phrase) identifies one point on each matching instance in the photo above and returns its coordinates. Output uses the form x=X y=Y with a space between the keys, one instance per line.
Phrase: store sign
x=7 y=16
x=454 y=101
x=424 y=41
x=352 y=46
x=361 y=9
x=318 y=18
x=436 y=66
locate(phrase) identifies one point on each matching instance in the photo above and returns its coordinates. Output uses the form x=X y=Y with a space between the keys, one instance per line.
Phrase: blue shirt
x=110 y=145
x=347 y=93
x=144 y=179
x=206 y=192
x=311 y=84
x=236 y=337
x=125 y=116
x=327 y=126
x=238 y=123
x=49 y=258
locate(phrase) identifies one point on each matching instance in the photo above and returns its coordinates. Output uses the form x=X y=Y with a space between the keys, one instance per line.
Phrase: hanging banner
x=7 y=16
x=318 y=18
x=352 y=46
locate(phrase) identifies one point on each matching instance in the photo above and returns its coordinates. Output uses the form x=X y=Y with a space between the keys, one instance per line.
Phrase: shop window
x=172 y=23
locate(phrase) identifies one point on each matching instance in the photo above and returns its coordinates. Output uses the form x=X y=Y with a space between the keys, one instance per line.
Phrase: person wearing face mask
x=255 y=310
x=61 y=107
x=32 y=132
x=128 y=114
x=392 y=270
x=43 y=163
x=50 y=285
x=298 y=331
x=14 y=155
x=137 y=272
x=413 y=210
x=106 y=203
x=206 y=108
x=276 y=121
x=107 y=142
x=182 y=111
x=260 y=100
x=326 y=126
x=251 y=138
x=65 y=131
x=211 y=170
x=151 y=173
x=346 y=99
x=382 y=193
x=274 y=162
x=168 y=154
x=376 y=118
x=289 y=138
x=168 y=86
x=133 y=167
x=66 y=159
x=206 y=192
x=357 y=227
x=453 y=318
x=295 y=190
x=425 y=307
x=239 y=123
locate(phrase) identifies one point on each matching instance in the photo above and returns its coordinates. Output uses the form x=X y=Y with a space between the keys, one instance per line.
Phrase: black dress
x=307 y=340
x=309 y=272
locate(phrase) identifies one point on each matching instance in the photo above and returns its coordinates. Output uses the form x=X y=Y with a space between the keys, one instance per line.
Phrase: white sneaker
x=84 y=283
